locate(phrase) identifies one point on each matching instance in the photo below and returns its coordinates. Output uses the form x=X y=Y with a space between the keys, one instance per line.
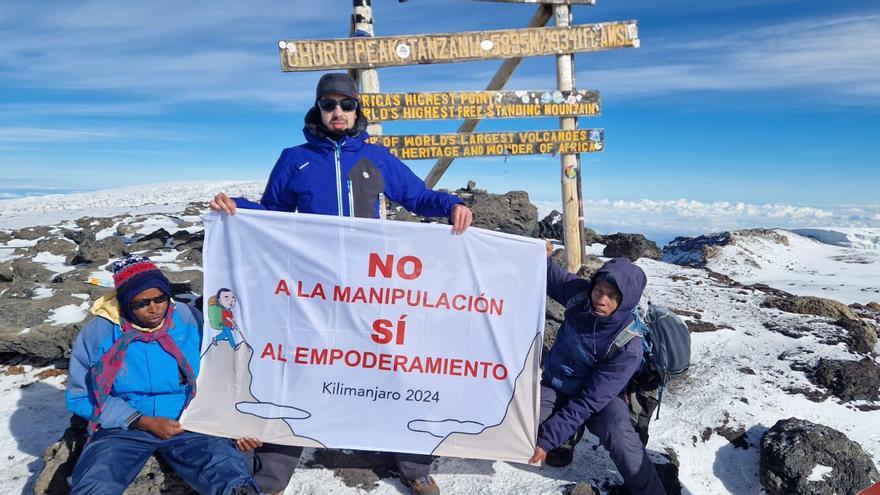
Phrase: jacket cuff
x=131 y=420
x=544 y=444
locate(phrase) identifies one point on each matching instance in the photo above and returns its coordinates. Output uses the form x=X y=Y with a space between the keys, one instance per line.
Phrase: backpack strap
x=623 y=337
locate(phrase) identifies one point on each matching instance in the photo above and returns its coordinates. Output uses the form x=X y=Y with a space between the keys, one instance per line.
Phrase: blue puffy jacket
x=149 y=381
x=345 y=176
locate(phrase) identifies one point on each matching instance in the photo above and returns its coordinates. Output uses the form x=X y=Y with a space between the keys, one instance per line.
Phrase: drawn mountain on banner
x=225 y=393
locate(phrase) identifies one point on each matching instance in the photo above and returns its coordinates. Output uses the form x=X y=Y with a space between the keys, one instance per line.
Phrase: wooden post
x=542 y=15
x=570 y=174
x=368 y=79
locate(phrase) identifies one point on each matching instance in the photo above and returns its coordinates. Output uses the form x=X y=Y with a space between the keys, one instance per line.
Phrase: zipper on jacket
x=350 y=199
x=337 y=151
x=382 y=213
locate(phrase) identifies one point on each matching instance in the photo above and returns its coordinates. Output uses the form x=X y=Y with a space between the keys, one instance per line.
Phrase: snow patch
x=68 y=314
x=43 y=293
x=819 y=473
x=53 y=262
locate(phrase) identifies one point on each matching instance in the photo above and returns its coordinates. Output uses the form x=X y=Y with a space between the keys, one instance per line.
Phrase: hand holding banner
x=371 y=335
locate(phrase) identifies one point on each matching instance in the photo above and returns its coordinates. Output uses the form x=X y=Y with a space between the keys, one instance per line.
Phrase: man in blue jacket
x=336 y=172
x=585 y=373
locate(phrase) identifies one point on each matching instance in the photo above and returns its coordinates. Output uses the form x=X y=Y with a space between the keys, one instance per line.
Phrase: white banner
x=374 y=335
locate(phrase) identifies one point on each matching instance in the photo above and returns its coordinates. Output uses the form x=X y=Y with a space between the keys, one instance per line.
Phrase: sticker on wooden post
x=389 y=51
x=477 y=144
x=381 y=107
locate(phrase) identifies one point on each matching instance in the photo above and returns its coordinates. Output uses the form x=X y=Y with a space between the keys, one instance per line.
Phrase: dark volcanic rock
x=697 y=251
x=31 y=233
x=30 y=271
x=848 y=380
x=792 y=449
x=79 y=236
x=154 y=240
x=589 y=265
x=185 y=281
x=700 y=326
x=861 y=336
x=632 y=246
x=551 y=227
x=6 y=273
x=92 y=251
x=809 y=305
x=60 y=458
x=511 y=212
x=54 y=245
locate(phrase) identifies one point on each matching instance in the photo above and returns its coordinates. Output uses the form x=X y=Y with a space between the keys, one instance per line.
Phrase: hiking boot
x=560 y=456
x=422 y=486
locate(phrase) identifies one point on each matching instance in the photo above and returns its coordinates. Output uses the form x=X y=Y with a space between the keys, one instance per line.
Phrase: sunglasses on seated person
x=329 y=104
x=143 y=303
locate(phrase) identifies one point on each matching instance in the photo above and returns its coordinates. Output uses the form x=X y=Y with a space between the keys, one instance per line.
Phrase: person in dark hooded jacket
x=584 y=375
x=337 y=172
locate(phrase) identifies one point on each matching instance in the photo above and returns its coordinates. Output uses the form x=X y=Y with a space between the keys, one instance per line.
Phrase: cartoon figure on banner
x=221 y=318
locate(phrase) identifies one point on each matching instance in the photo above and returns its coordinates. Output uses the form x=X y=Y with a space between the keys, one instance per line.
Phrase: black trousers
x=274 y=466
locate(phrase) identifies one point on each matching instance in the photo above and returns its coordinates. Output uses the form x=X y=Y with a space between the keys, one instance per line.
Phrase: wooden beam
x=390 y=51
x=569 y=172
x=479 y=144
x=383 y=107
x=539 y=19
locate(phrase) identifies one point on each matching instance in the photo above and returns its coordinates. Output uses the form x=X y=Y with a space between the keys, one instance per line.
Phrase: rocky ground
x=761 y=356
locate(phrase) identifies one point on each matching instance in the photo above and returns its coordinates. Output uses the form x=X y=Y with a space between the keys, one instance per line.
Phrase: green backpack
x=215 y=313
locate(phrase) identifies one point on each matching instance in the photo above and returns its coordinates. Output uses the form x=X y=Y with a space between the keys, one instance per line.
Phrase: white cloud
x=665 y=219
x=834 y=58
x=39 y=134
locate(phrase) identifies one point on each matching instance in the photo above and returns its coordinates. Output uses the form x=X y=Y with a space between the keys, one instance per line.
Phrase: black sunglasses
x=329 y=104
x=143 y=303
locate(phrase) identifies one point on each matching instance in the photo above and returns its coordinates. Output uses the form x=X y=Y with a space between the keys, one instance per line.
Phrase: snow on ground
x=69 y=313
x=847 y=273
x=153 y=198
x=33 y=415
x=53 y=262
x=741 y=376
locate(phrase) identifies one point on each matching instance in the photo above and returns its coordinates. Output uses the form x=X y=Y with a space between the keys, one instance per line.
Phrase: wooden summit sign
x=477 y=144
x=380 y=107
x=388 y=51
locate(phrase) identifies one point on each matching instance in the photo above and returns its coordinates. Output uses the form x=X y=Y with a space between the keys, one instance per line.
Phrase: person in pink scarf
x=132 y=373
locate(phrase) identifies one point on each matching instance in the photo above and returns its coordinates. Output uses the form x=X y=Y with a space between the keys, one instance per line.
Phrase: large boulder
x=152 y=241
x=31 y=233
x=185 y=281
x=27 y=270
x=799 y=457
x=511 y=212
x=848 y=380
x=54 y=245
x=61 y=457
x=632 y=246
x=861 y=336
x=25 y=328
x=810 y=305
x=551 y=227
x=94 y=252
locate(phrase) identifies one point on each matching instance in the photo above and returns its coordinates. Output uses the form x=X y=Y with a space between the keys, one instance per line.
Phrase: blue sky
x=754 y=101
